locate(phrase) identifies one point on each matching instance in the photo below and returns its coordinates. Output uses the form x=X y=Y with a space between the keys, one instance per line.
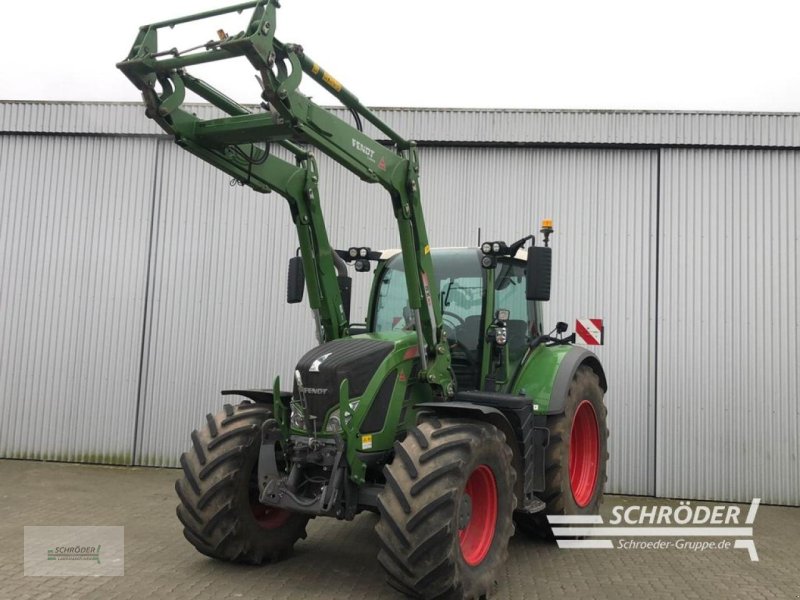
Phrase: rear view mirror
x=296 y=281
x=539 y=269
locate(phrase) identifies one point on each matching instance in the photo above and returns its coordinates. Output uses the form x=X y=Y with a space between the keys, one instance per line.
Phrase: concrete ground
x=338 y=560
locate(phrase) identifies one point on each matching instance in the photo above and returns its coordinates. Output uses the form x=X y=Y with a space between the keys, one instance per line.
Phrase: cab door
x=508 y=286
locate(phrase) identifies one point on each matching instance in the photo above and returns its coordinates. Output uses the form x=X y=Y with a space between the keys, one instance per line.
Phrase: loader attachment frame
x=240 y=142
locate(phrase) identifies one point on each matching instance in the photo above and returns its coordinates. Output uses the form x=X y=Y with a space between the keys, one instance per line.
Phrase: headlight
x=500 y=336
x=486 y=248
x=334 y=424
x=297 y=418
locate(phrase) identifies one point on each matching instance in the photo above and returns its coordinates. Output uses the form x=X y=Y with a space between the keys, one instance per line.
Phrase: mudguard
x=546 y=375
x=526 y=440
x=566 y=371
x=468 y=409
x=259 y=396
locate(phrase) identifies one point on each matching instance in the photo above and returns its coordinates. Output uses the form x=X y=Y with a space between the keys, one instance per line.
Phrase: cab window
x=461 y=288
x=509 y=285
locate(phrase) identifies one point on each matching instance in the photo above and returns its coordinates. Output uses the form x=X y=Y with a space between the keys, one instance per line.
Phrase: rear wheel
x=219 y=509
x=446 y=510
x=576 y=456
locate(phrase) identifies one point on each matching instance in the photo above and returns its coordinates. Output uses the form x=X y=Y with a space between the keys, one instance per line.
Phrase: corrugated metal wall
x=74 y=227
x=728 y=423
x=218 y=317
x=136 y=283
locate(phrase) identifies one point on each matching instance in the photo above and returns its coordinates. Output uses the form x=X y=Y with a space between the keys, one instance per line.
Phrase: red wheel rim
x=476 y=537
x=584 y=454
x=267 y=516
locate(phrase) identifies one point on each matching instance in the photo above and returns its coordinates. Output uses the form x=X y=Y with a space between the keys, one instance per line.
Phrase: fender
x=545 y=376
x=474 y=411
x=259 y=396
x=566 y=371
x=490 y=415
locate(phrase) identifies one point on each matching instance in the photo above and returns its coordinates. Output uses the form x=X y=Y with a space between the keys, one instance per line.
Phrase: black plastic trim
x=376 y=415
x=259 y=396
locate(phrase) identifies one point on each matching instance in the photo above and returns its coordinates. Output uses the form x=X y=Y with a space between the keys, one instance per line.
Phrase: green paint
x=538 y=373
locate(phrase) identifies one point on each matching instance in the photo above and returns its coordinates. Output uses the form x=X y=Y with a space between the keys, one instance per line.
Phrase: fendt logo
x=369 y=152
x=314 y=391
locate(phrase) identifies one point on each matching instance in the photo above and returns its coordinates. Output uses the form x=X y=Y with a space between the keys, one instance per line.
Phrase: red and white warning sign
x=589 y=331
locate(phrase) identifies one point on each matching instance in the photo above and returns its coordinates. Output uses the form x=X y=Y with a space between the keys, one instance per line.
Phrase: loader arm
x=239 y=144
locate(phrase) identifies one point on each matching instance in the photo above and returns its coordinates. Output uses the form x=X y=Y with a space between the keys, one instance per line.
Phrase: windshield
x=461 y=290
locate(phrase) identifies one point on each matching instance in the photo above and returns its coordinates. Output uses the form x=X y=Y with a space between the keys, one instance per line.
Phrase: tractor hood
x=323 y=369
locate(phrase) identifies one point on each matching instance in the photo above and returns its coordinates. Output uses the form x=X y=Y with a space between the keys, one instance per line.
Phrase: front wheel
x=446 y=510
x=219 y=507
x=576 y=456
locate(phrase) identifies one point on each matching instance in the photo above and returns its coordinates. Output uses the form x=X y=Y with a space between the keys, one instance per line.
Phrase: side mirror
x=296 y=281
x=538 y=273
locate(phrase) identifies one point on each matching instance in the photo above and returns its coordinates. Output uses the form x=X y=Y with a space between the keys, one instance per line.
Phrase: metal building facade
x=728 y=417
x=74 y=221
x=136 y=282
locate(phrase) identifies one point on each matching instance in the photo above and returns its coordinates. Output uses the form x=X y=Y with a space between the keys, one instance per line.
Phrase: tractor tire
x=576 y=456
x=218 y=492
x=446 y=511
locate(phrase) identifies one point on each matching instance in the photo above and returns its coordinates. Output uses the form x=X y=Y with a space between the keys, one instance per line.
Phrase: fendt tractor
x=449 y=413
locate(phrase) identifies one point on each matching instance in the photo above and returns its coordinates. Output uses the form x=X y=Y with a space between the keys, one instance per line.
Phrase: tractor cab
x=471 y=296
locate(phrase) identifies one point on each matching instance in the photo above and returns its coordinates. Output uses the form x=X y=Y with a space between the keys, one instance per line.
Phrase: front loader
x=450 y=412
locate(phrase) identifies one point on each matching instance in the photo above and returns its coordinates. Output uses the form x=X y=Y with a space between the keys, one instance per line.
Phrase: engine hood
x=323 y=368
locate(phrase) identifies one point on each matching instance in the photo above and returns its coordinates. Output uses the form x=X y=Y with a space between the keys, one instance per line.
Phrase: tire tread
x=213 y=491
x=418 y=544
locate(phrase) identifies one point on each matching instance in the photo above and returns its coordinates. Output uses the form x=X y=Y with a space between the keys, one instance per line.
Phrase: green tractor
x=450 y=412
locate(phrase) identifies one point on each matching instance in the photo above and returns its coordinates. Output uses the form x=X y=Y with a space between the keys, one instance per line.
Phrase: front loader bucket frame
x=239 y=145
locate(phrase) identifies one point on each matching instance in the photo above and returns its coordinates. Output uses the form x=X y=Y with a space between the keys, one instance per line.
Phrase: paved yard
x=338 y=559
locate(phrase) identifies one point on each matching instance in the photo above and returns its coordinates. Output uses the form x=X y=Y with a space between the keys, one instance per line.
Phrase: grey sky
x=701 y=55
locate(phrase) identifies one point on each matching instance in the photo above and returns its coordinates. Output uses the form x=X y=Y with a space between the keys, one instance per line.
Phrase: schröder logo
x=675 y=523
x=73 y=551
x=684 y=514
